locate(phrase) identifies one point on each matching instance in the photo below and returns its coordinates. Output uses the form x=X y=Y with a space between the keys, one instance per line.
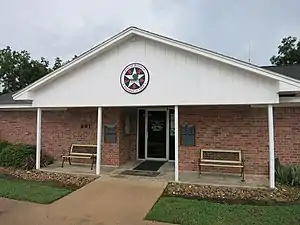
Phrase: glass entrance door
x=157 y=134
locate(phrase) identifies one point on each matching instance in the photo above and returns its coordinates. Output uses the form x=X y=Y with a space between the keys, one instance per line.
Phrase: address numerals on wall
x=85 y=126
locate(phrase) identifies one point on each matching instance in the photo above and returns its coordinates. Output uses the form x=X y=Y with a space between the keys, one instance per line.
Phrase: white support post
x=38 y=138
x=176 y=144
x=99 y=136
x=271 y=147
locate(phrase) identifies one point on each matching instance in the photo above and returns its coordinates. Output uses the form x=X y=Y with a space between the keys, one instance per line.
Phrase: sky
x=64 y=28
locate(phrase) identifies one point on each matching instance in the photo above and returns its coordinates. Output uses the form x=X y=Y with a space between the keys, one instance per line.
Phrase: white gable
x=177 y=77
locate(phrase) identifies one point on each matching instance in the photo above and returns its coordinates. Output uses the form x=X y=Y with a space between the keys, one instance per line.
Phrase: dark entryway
x=157 y=134
x=142 y=134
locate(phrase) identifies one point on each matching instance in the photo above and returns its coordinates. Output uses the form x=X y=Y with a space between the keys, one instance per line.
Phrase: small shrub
x=287 y=174
x=3 y=144
x=22 y=156
x=295 y=173
x=14 y=155
x=29 y=161
x=46 y=160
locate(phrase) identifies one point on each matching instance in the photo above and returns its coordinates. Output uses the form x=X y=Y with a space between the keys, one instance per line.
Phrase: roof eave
x=219 y=57
x=79 y=59
x=162 y=39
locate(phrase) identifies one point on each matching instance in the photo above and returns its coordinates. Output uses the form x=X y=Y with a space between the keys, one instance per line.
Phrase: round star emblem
x=134 y=78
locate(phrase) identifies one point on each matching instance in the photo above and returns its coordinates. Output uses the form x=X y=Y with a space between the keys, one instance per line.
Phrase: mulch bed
x=231 y=195
x=60 y=179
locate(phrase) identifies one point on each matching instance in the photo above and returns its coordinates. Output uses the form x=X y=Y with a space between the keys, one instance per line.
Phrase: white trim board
x=131 y=32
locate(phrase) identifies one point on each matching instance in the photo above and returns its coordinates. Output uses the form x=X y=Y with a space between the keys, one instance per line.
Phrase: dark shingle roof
x=292 y=71
x=8 y=99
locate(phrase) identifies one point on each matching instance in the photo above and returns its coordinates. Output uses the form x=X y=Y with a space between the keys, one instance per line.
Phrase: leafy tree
x=57 y=63
x=18 y=69
x=288 y=52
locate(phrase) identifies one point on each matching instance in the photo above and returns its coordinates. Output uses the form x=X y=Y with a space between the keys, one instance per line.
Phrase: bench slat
x=219 y=165
x=220 y=161
x=80 y=151
x=202 y=151
x=90 y=148
x=220 y=150
x=77 y=157
x=235 y=163
x=82 y=154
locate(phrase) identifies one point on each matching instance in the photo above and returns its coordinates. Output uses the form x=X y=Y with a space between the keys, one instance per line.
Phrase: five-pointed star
x=134 y=78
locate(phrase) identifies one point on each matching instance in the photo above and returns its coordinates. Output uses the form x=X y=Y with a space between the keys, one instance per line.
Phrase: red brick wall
x=60 y=129
x=127 y=141
x=242 y=127
x=227 y=127
x=111 y=151
x=18 y=127
x=234 y=127
x=287 y=134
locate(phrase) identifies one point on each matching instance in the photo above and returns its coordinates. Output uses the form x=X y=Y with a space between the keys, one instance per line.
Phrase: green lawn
x=189 y=212
x=32 y=191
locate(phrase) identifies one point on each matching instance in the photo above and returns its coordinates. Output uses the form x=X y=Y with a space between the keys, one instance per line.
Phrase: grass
x=32 y=191
x=190 y=211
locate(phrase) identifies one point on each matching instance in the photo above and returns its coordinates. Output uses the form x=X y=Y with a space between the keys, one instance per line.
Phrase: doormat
x=149 y=165
x=140 y=173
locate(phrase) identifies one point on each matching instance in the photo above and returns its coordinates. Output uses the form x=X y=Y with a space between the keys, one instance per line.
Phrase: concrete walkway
x=106 y=201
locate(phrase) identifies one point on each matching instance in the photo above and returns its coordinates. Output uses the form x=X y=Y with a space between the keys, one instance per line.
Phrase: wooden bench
x=222 y=158
x=78 y=151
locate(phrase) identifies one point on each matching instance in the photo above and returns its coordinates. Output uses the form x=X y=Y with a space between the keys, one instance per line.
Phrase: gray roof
x=287 y=70
x=8 y=99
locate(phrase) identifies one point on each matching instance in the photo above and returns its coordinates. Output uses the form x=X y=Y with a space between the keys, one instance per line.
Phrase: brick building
x=140 y=95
